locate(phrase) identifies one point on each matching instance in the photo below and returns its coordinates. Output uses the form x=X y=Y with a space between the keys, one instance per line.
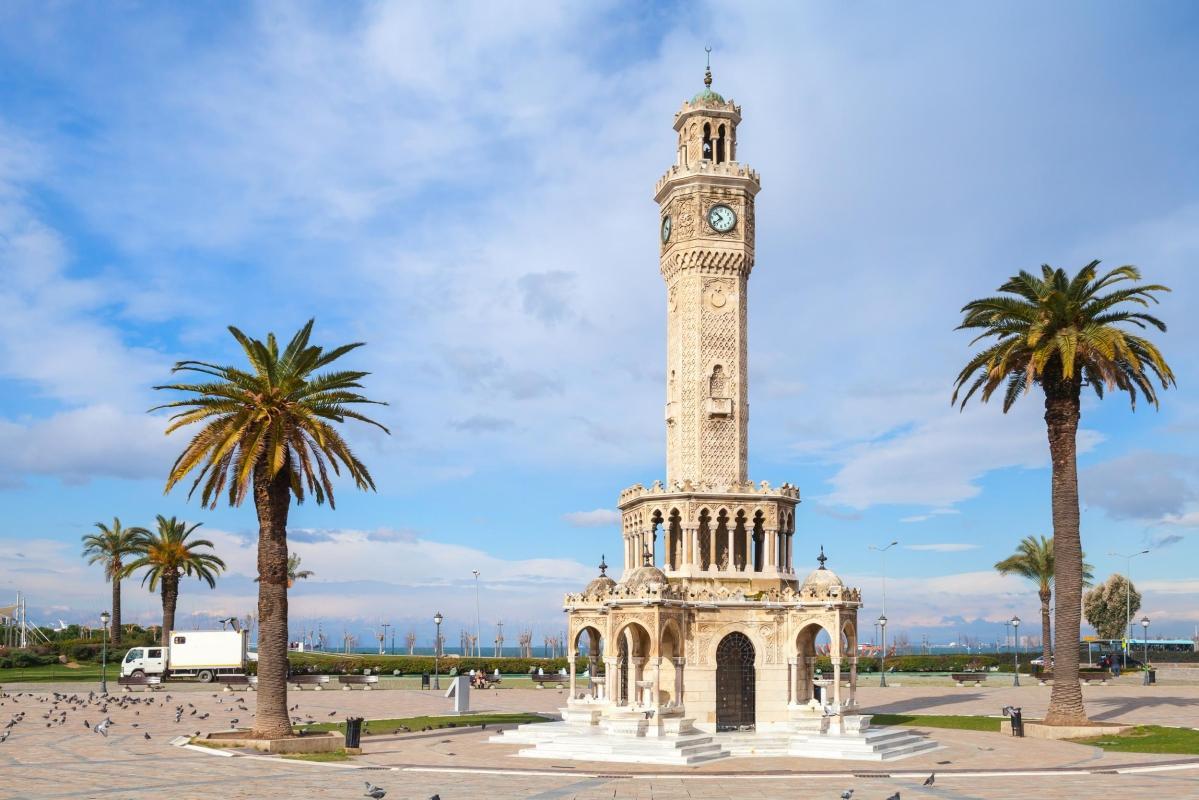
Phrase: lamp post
x=104 y=618
x=1016 y=651
x=882 y=653
x=883 y=552
x=478 y=625
x=1128 y=557
x=386 y=625
x=437 y=618
x=1145 y=639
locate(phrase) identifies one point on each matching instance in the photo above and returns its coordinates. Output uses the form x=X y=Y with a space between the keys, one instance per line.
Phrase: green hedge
x=334 y=664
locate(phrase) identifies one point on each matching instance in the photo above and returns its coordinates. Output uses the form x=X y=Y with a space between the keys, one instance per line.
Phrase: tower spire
x=708 y=68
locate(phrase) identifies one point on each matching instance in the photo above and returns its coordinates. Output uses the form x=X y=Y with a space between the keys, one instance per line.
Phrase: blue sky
x=468 y=190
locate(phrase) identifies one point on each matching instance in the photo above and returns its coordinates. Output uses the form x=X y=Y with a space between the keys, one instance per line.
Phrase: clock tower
x=706 y=202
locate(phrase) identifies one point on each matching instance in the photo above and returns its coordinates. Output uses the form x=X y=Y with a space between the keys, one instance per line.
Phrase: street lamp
x=104 y=618
x=1016 y=651
x=882 y=653
x=883 y=551
x=1145 y=667
x=386 y=625
x=437 y=618
x=478 y=626
x=1128 y=557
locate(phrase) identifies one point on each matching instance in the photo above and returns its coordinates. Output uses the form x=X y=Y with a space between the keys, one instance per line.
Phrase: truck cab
x=144 y=661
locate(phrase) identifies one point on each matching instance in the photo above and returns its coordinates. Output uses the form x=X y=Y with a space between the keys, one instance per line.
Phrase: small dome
x=821 y=579
x=708 y=96
x=644 y=576
x=601 y=585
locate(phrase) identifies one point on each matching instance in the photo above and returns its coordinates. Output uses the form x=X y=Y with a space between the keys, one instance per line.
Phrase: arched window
x=718 y=383
x=720 y=146
x=707 y=151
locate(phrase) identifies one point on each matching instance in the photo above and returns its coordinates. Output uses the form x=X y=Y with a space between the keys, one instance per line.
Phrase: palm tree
x=109 y=547
x=1033 y=559
x=167 y=556
x=1062 y=333
x=268 y=431
x=294 y=573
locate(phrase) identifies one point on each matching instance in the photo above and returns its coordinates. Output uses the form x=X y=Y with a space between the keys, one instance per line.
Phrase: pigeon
x=931 y=779
x=333 y=713
x=102 y=728
x=435 y=797
x=147 y=735
x=4 y=736
x=894 y=796
x=377 y=792
x=845 y=795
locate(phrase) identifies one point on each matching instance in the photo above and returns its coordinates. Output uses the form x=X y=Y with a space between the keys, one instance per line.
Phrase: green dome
x=708 y=96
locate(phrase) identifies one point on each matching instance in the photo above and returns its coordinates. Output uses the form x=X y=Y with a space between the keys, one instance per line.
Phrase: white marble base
x=630 y=735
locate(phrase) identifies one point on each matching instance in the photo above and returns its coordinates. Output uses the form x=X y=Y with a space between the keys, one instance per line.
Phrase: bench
x=236 y=680
x=558 y=680
x=962 y=678
x=1093 y=676
x=148 y=682
x=365 y=681
x=317 y=682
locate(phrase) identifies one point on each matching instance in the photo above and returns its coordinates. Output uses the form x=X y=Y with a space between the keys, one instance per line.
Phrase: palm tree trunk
x=115 y=635
x=1061 y=420
x=170 y=597
x=1046 y=633
x=272 y=498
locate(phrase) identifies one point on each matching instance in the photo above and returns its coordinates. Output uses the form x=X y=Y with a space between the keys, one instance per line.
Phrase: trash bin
x=353 y=732
x=424 y=680
x=1017 y=723
x=1153 y=676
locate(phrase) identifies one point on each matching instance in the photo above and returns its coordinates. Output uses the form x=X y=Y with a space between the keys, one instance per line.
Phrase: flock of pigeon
x=848 y=793
x=58 y=706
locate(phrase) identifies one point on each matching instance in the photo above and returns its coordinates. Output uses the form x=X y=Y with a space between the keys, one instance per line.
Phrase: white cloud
x=940 y=461
x=600 y=517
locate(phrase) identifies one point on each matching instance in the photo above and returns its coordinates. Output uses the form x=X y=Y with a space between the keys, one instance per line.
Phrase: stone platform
x=637 y=737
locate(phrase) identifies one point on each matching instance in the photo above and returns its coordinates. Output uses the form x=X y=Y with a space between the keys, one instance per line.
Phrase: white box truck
x=202 y=655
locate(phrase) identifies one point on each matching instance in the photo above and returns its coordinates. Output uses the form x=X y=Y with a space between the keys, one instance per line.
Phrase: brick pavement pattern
x=49 y=755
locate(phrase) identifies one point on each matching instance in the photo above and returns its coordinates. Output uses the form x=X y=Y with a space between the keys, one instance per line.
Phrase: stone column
x=792 y=681
x=636 y=669
x=657 y=690
x=809 y=675
x=749 y=549
x=570 y=665
x=679 y=663
x=790 y=554
x=713 y=564
x=837 y=681
x=853 y=680
x=772 y=550
x=732 y=550
x=611 y=676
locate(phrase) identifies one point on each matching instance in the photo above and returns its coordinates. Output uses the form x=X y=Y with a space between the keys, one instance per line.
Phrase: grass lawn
x=58 y=672
x=1148 y=739
x=419 y=723
x=990 y=724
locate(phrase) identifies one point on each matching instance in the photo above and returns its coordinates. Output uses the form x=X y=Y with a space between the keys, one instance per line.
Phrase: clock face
x=666 y=229
x=721 y=218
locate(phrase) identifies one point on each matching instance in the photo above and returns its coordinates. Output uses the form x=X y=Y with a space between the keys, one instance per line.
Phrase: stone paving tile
x=70 y=761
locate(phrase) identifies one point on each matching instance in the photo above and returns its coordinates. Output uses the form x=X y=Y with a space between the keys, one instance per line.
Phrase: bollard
x=353 y=734
x=1017 y=723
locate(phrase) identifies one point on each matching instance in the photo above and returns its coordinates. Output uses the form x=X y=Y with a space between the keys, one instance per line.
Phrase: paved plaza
x=69 y=760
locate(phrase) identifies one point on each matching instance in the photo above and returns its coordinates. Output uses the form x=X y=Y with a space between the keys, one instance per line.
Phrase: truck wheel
x=204 y=676
x=138 y=673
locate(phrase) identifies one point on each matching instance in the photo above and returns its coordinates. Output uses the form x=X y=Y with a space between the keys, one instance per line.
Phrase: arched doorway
x=735 y=696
